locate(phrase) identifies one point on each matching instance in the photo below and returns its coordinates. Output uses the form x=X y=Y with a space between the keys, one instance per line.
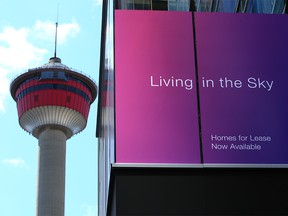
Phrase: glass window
x=228 y=6
x=36 y=98
x=179 y=5
x=134 y=4
x=142 y=4
x=61 y=75
x=53 y=75
x=46 y=75
x=68 y=98
x=160 y=5
x=268 y=6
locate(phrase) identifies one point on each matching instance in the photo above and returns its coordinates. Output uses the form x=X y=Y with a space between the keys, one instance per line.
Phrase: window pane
x=179 y=5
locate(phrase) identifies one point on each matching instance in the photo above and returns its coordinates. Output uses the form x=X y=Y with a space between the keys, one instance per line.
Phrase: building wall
x=105 y=119
x=106 y=130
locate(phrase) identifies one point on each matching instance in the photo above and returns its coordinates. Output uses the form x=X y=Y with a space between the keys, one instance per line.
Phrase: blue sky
x=27 y=40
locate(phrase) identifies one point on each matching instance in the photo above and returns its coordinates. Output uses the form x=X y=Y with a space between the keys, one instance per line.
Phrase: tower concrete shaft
x=51 y=175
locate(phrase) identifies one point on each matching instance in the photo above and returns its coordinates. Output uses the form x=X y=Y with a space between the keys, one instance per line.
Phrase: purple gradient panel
x=155 y=124
x=239 y=47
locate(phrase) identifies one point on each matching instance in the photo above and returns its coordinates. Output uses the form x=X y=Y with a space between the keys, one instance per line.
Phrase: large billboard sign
x=229 y=107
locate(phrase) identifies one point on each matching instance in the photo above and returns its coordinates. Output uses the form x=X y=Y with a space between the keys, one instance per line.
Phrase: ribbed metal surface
x=34 y=119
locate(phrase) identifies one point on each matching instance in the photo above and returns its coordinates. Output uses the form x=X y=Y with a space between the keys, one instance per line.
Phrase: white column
x=51 y=175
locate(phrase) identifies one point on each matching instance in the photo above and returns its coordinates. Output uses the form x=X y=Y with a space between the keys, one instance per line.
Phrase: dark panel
x=201 y=191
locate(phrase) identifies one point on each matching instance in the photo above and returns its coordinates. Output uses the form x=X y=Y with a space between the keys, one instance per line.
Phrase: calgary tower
x=53 y=103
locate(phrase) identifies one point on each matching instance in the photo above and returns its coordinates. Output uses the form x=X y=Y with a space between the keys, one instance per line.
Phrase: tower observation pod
x=53 y=103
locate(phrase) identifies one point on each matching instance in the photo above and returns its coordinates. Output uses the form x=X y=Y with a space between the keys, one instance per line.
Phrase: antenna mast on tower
x=55 y=50
x=56 y=24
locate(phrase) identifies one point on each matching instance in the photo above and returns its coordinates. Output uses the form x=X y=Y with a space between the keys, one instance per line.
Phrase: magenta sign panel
x=155 y=88
x=243 y=77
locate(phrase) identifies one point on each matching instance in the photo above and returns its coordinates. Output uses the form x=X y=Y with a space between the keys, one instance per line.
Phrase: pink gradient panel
x=156 y=102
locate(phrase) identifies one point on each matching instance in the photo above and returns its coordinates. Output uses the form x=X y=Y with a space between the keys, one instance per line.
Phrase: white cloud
x=90 y=210
x=4 y=88
x=46 y=31
x=16 y=162
x=98 y=2
x=18 y=53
